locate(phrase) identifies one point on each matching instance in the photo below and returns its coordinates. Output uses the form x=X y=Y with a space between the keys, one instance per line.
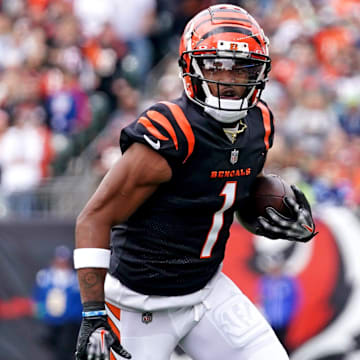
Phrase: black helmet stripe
x=230 y=19
x=222 y=29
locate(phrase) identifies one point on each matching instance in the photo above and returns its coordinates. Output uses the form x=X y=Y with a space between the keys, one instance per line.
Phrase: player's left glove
x=299 y=228
x=95 y=335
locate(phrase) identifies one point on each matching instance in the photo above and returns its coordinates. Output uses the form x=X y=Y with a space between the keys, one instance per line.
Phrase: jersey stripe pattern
x=267 y=123
x=184 y=126
x=164 y=122
x=174 y=243
x=151 y=128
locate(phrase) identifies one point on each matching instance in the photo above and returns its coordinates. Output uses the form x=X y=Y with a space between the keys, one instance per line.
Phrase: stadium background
x=74 y=72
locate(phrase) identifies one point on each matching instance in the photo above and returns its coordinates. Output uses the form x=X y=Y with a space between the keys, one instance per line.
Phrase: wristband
x=93 y=313
x=91 y=258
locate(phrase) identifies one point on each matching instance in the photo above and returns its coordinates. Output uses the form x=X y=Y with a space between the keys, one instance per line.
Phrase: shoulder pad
x=165 y=128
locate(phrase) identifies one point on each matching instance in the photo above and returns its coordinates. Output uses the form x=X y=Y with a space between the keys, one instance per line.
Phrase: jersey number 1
x=229 y=193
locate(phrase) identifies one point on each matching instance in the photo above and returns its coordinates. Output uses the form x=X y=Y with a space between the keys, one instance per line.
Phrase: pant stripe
x=114 y=328
x=115 y=310
x=113 y=315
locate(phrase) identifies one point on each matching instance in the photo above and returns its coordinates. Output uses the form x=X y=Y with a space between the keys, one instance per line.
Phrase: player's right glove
x=96 y=336
x=300 y=227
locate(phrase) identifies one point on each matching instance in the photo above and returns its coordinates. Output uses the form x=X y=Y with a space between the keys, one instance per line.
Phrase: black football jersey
x=174 y=243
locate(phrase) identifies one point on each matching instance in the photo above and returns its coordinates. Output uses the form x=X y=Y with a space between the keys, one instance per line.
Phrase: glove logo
x=102 y=335
x=96 y=336
x=307 y=227
x=146 y=317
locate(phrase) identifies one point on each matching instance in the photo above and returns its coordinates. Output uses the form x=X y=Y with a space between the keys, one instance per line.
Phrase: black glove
x=299 y=228
x=95 y=336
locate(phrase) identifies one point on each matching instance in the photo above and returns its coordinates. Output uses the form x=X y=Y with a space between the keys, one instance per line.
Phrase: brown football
x=266 y=191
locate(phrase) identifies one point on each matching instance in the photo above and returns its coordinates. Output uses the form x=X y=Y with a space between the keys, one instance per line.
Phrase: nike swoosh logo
x=308 y=228
x=153 y=144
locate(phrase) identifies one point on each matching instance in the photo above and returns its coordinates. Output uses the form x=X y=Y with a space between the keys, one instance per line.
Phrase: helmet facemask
x=227 y=101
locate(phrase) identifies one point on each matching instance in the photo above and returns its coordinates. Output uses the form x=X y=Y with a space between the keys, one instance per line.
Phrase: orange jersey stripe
x=151 y=128
x=114 y=328
x=165 y=123
x=115 y=310
x=267 y=124
x=112 y=357
x=184 y=125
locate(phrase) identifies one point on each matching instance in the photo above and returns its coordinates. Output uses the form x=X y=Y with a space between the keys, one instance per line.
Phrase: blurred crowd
x=55 y=55
x=314 y=91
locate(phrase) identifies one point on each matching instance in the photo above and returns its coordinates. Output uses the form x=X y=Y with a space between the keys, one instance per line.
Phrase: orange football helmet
x=224 y=37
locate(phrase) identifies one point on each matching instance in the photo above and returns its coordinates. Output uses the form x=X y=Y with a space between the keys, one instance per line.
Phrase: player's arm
x=133 y=178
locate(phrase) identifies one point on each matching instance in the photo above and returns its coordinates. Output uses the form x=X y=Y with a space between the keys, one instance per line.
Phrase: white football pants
x=218 y=322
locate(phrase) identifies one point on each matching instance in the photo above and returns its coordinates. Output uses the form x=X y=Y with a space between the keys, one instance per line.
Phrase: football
x=269 y=190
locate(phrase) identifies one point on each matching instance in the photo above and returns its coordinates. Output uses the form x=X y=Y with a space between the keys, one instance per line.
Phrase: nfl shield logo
x=234 y=156
x=146 y=317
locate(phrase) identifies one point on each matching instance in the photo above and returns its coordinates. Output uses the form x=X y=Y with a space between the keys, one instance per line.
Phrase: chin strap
x=225 y=116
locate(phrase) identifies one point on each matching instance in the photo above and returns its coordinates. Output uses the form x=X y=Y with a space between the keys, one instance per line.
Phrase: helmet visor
x=242 y=71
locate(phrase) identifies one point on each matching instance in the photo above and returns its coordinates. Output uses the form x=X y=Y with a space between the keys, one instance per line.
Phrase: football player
x=167 y=205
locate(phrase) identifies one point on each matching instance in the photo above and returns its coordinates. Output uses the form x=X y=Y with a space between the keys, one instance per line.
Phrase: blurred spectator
x=127 y=110
x=58 y=304
x=132 y=22
x=93 y=15
x=331 y=176
x=310 y=122
x=279 y=293
x=67 y=105
x=105 y=53
x=348 y=95
x=350 y=120
x=24 y=156
x=167 y=85
x=332 y=44
x=279 y=300
x=4 y=124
